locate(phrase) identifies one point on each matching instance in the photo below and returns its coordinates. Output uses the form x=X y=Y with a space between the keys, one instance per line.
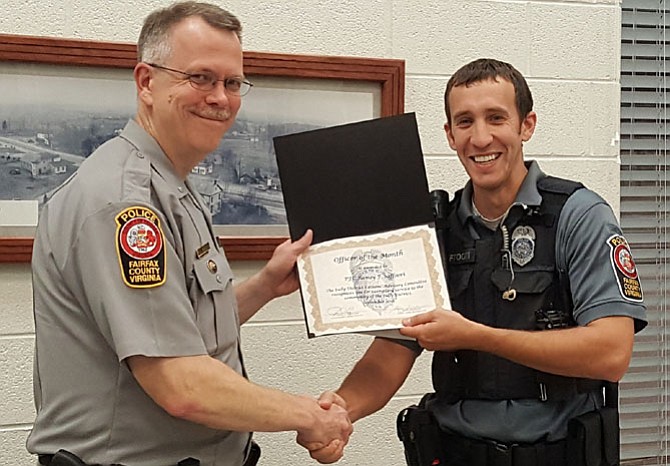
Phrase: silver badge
x=523 y=245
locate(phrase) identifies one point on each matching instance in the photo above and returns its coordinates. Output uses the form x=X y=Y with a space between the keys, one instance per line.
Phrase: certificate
x=362 y=189
x=371 y=283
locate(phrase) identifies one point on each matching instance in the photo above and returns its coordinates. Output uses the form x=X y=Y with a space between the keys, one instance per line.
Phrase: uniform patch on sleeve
x=624 y=268
x=140 y=247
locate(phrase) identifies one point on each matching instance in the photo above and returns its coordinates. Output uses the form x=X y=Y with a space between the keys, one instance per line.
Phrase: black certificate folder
x=355 y=179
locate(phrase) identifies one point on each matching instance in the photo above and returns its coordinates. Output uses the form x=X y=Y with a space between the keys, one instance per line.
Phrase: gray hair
x=154 y=46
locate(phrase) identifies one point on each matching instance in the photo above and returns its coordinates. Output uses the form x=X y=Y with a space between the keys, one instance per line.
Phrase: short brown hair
x=488 y=68
x=153 y=45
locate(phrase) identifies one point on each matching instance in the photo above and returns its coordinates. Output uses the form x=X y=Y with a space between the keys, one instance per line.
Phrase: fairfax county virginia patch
x=624 y=269
x=140 y=247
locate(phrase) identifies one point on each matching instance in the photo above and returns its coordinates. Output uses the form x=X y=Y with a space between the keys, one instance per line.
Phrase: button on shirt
x=89 y=320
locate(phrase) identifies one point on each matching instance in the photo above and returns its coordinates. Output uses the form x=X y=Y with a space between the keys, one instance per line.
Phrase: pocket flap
x=527 y=281
x=212 y=272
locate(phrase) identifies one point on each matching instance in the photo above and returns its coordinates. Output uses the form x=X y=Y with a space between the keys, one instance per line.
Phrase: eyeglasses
x=206 y=81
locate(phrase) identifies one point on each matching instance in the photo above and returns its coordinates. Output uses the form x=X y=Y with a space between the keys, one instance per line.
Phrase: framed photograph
x=65 y=97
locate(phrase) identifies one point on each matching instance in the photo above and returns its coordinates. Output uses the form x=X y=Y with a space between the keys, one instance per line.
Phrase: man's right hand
x=334 y=450
x=328 y=433
x=330 y=453
x=329 y=398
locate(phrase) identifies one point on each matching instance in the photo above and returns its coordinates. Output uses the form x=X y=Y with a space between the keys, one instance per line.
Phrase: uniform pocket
x=212 y=272
x=527 y=281
x=214 y=302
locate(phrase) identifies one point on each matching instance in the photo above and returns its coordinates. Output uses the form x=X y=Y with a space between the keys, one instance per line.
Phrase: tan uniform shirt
x=126 y=263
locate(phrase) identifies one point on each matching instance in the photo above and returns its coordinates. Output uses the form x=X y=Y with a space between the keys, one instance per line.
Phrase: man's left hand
x=279 y=274
x=441 y=330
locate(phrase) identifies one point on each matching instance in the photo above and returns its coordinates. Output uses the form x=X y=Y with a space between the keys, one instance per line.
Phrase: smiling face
x=488 y=135
x=189 y=123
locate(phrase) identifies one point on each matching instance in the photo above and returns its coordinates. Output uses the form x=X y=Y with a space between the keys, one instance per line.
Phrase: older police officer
x=138 y=358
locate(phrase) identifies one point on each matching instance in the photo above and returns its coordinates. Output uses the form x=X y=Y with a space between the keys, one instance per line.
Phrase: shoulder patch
x=140 y=247
x=624 y=269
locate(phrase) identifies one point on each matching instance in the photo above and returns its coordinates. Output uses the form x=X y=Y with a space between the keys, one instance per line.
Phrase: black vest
x=480 y=272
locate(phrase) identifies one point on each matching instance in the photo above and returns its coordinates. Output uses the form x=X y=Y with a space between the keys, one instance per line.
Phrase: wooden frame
x=388 y=73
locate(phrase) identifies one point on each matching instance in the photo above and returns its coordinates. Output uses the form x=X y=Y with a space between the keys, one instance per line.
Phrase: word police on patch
x=624 y=268
x=140 y=247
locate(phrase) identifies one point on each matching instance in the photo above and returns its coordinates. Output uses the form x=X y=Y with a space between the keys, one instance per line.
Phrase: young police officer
x=545 y=294
x=138 y=358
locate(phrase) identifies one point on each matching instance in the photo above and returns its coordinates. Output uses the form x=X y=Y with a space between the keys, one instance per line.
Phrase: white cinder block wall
x=568 y=50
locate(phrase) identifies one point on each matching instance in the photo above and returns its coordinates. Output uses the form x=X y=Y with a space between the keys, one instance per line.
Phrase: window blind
x=644 y=217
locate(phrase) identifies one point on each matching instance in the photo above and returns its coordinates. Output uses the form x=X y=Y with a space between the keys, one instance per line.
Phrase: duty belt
x=490 y=453
x=64 y=458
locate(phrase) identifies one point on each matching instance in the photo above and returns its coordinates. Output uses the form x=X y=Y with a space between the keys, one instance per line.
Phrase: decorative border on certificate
x=371 y=283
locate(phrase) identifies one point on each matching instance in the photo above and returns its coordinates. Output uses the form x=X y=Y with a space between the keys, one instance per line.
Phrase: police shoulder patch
x=624 y=268
x=140 y=246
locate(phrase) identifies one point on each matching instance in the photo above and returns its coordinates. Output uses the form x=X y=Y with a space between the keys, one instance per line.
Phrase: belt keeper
x=500 y=454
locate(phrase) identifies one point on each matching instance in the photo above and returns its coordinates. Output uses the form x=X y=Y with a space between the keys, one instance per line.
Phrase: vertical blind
x=644 y=218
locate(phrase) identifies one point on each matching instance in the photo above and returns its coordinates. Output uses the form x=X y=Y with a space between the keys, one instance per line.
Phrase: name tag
x=462 y=257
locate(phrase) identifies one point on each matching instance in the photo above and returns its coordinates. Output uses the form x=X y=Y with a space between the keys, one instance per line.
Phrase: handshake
x=329 y=429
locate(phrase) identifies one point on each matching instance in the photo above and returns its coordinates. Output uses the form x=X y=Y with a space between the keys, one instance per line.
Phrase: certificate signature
x=370 y=283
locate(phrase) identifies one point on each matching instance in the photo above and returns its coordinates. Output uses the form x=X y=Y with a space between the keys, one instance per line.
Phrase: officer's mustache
x=221 y=114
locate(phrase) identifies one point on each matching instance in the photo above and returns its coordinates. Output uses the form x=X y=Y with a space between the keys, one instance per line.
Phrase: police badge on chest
x=523 y=245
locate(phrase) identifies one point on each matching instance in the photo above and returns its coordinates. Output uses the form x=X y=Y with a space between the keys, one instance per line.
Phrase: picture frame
x=388 y=75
